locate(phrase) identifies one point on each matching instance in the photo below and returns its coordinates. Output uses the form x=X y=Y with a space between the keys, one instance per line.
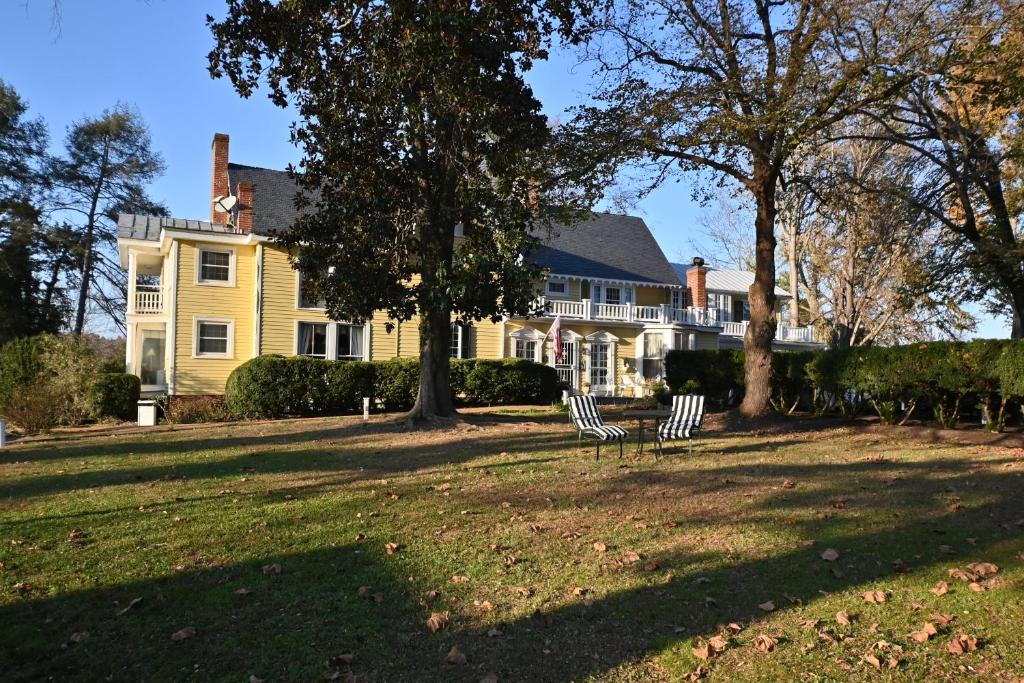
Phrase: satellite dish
x=225 y=204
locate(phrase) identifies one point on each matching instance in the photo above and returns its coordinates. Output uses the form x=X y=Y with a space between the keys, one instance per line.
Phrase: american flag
x=556 y=333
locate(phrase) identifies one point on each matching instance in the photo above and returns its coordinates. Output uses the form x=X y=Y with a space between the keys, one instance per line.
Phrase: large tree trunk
x=793 y=260
x=83 y=292
x=434 y=398
x=757 y=343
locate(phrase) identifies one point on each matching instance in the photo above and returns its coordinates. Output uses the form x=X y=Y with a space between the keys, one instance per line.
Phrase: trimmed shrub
x=715 y=373
x=197 y=409
x=512 y=380
x=114 y=394
x=261 y=387
x=21 y=360
x=457 y=376
x=347 y=383
x=789 y=379
x=61 y=367
x=396 y=383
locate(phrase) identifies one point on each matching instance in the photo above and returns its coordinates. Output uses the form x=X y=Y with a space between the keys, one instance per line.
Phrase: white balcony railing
x=784 y=332
x=663 y=314
x=148 y=302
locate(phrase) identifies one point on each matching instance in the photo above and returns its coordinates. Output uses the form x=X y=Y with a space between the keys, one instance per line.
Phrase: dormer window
x=557 y=287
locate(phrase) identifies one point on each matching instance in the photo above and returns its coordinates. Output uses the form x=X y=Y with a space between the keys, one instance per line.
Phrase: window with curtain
x=653 y=355
x=350 y=342
x=312 y=340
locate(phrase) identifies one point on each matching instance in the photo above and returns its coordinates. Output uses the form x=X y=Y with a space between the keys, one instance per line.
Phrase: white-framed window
x=654 y=355
x=215 y=267
x=613 y=295
x=456 y=346
x=214 y=338
x=686 y=341
x=557 y=287
x=350 y=343
x=678 y=298
x=303 y=298
x=526 y=349
x=312 y=340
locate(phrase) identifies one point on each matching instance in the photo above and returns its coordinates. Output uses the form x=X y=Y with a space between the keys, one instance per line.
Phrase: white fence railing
x=784 y=332
x=148 y=301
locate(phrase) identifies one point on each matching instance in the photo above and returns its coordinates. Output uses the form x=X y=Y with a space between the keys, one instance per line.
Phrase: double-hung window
x=612 y=295
x=526 y=348
x=653 y=355
x=213 y=338
x=312 y=340
x=216 y=267
x=350 y=342
x=455 y=345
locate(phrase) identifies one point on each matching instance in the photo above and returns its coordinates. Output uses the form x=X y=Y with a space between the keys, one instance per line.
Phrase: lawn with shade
x=499 y=549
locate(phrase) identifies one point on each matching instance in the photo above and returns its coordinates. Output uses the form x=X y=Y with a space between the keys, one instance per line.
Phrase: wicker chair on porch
x=586 y=417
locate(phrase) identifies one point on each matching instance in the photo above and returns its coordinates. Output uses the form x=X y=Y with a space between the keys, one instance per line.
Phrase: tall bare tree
x=734 y=88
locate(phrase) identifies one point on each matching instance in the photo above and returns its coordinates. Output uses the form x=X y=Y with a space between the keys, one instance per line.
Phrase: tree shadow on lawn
x=367 y=460
x=292 y=622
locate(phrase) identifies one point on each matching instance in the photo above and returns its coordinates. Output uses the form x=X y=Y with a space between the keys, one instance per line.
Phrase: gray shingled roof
x=273 y=197
x=136 y=227
x=606 y=246
x=728 y=280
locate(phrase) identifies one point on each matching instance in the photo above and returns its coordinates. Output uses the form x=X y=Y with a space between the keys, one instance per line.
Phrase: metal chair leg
x=620 y=448
x=598 y=449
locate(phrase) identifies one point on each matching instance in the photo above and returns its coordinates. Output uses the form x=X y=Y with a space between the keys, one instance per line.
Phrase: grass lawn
x=264 y=551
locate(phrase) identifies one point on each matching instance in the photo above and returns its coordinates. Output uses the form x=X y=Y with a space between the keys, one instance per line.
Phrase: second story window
x=557 y=287
x=216 y=267
x=306 y=298
x=612 y=295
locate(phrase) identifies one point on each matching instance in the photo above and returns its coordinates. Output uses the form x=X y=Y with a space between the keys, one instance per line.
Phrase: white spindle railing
x=611 y=311
x=647 y=314
x=566 y=309
x=734 y=329
x=148 y=301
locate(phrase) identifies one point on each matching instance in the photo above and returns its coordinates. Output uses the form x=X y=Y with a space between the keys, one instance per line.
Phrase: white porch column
x=588 y=309
x=132 y=279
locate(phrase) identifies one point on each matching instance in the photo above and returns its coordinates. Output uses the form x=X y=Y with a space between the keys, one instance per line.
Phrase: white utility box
x=147 y=413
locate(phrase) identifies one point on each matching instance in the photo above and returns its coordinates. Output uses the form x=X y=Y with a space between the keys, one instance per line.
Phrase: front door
x=151 y=358
x=566 y=369
x=601 y=380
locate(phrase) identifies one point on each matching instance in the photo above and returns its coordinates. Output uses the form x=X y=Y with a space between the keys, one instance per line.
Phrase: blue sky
x=152 y=56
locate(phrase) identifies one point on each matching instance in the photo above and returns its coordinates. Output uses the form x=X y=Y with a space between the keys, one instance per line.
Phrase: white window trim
x=529 y=334
x=196 y=321
x=298 y=295
x=232 y=261
x=461 y=346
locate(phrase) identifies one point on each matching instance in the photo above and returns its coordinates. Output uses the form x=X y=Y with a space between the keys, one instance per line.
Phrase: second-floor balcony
x=586 y=309
x=148 y=301
x=783 y=332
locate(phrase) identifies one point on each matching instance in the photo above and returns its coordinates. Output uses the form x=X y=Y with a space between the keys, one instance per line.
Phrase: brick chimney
x=243 y=215
x=696 y=283
x=219 y=184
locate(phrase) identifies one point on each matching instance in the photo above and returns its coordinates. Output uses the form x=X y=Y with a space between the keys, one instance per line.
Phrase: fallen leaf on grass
x=391 y=548
x=184 y=633
x=842 y=618
x=767 y=606
x=631 y=557
x=765 y=643
x=578 y=591
x=272 y=568
x=364 y=591
x=961 y=644
x=874 y=661
x=523 y=591
x=874 y=596
x=455 y=656
x=718 y=643
x=485 y=606
x=700 y=672
x=940 y=589
x=345 y=659
x=809 y=623
x=924 y=635
x=600 y=547
x=947 y=550
x=493 y=633
x=830 y=555
x=437 y=621
x=459 y=578
x=701 y=651
x=943 y=618
x=79 y=637
x=958 y=573
x=976 y=587
x=787 y=484
x=807 y=647
x=983 y=569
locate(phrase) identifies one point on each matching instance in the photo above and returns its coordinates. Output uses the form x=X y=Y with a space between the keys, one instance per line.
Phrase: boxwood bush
x=114 y=394
x=275 y=386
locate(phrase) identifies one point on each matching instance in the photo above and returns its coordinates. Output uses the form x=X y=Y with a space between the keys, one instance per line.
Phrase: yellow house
x=206 y=296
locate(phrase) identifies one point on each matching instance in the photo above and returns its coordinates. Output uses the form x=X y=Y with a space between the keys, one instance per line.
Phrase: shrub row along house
x=205 y=296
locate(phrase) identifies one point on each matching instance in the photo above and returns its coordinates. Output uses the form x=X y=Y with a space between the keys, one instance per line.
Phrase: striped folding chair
x=685 y=422
x=586 y=418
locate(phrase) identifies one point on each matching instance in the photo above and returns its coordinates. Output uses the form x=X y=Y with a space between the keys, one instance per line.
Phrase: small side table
x=640 y=415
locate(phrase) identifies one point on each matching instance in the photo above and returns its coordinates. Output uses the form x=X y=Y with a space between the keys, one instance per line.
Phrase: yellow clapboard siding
x=651 y=296
x=198 y=376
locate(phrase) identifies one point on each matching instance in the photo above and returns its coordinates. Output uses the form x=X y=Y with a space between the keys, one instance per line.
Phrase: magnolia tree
x=427 y=167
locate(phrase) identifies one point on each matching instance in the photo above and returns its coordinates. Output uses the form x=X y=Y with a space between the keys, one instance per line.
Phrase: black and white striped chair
x=586 y=417
x=685 y=422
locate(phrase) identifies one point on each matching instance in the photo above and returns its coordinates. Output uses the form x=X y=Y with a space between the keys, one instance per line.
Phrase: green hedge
x=114 y=394
x=943 y=379
x=275 y=386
